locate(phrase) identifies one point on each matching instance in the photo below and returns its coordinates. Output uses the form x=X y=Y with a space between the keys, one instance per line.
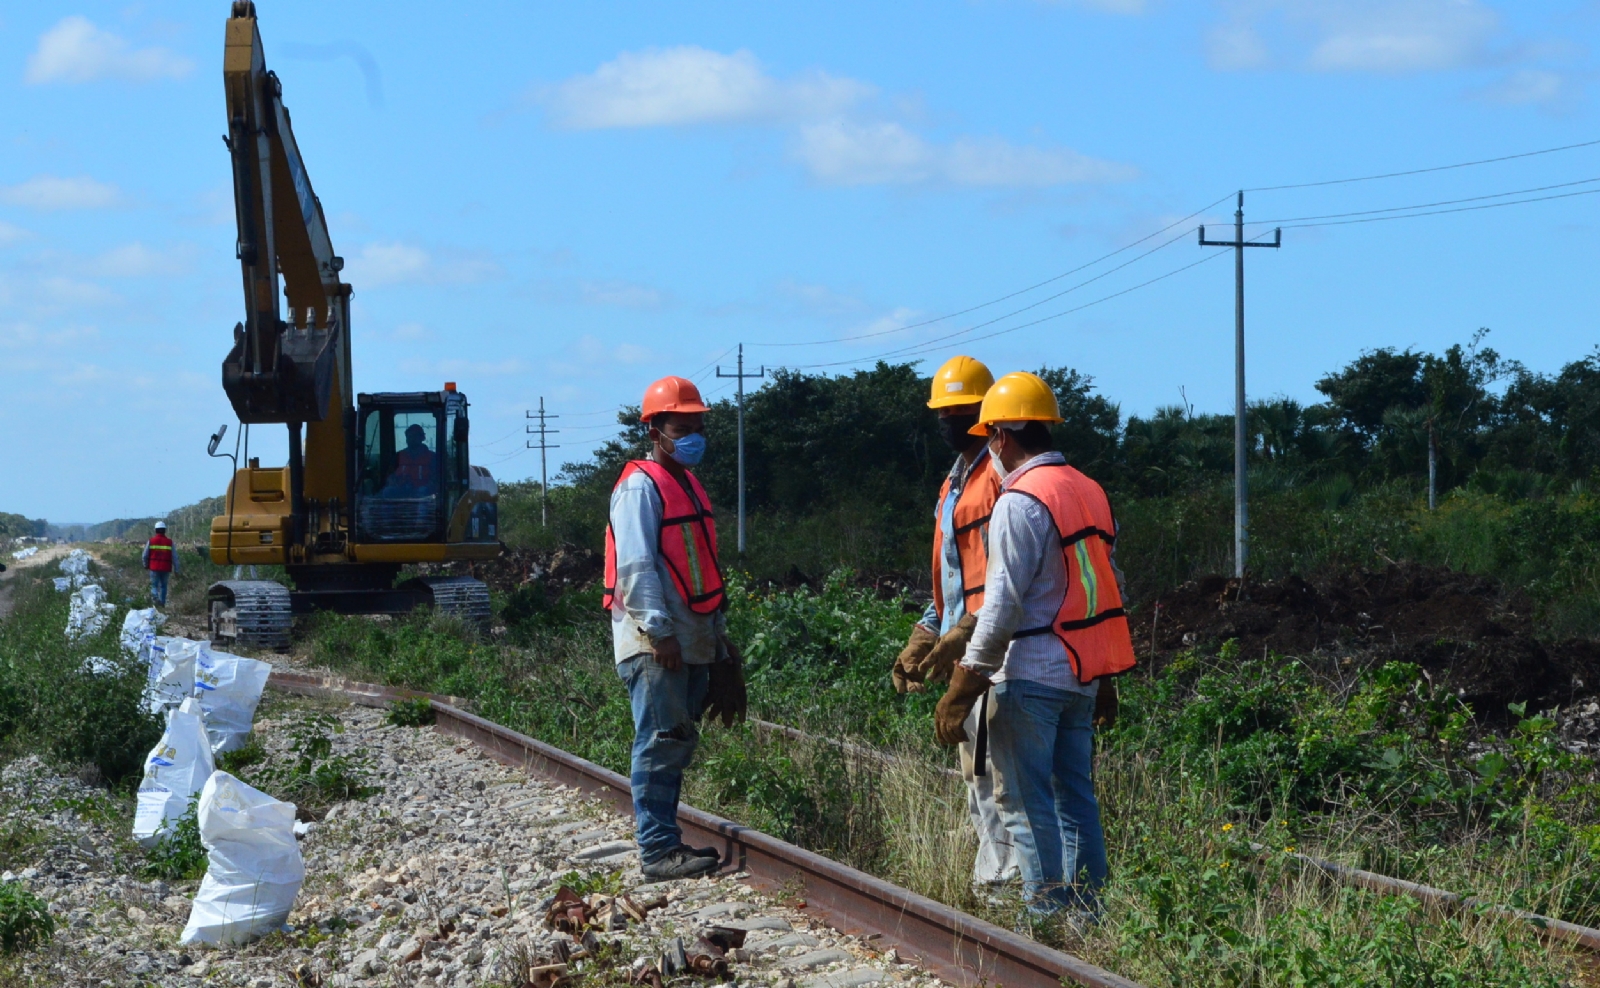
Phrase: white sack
x=88 y=612
x=254 y=868
x=25 y=553
x=138 y=629
x=171 y=672
x=63 y=583
x=228 y=688
x=173 y=773
x=76 y=566
x=96 y=665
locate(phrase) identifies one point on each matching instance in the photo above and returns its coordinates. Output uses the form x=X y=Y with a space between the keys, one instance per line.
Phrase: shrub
x=179 y=855
x=415 y=712
x=25 y=921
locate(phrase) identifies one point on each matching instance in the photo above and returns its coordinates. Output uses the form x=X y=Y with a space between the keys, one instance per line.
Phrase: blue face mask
x=690 y=449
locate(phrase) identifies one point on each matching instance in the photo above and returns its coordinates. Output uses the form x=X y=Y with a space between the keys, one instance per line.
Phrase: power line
x=1020 y=291
x=914 y=351
x=696 y=374
x=1438 y=212
x=1427 y=205
x=1423 y=171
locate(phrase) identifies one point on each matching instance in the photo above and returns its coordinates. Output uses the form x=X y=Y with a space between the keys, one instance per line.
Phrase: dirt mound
x=1466 y=631
x=567 y=567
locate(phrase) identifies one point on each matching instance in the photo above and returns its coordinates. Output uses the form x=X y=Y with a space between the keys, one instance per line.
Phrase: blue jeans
x=1042 y=740
x=158 y=587
x=666 y=719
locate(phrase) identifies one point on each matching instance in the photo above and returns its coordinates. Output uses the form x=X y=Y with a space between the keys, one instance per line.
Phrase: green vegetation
x=314 y=778
x=179 y=855
x=52 y=706
x=417 y=712
x=25 y=921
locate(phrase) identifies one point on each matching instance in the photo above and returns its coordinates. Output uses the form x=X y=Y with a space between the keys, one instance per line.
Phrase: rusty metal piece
x=961 y=949
x=547 y=976
x=568 y=913
x=673 y=959
x=706 y=959
x=648 y=976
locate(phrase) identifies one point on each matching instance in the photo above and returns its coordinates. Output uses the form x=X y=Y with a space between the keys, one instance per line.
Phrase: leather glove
x=936 y=665
x=1105 y=703
x=726 y=697
x=905 y=673
x=965 y=688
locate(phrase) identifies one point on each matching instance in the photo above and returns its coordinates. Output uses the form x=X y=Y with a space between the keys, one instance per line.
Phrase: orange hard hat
x=671 y=394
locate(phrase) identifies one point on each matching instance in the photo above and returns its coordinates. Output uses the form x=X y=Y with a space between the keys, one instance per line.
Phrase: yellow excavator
x=374 y=481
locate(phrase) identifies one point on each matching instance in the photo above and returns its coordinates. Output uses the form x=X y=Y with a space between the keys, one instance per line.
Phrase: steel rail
x=959 y=948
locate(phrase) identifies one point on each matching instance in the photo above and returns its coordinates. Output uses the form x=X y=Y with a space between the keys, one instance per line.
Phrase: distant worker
x=663 y=587
x=1051 y=627
x=161 y=559
x=960 y=556
x=415 y=466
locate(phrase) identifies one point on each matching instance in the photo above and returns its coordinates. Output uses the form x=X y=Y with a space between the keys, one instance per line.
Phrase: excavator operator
x=413 y=467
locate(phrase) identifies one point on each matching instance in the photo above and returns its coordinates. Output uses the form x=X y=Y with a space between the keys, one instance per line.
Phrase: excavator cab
x=415 y=483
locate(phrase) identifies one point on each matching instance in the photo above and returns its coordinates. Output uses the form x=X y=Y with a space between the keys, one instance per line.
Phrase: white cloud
x=77 y=51
x=692 y=85
x=10 y=234
x=590 y=350
x=1387 y=36
x=49 y=192
x=844 y=153
x=465 y=370
x=624 y=294
x=397 y=263
x=1529 y=86
x=135 y=260
x=1104 y=6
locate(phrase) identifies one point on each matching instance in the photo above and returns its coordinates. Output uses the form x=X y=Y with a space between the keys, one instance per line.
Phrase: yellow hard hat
x=1017 y=397
x=960 y=381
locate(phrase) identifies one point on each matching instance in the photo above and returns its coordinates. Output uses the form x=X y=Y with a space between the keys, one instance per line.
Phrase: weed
x=25 y=921
x=179 y=855
x=315 y=778
x=605 y=883
x=18 y=839
x=416 y=712
x=249 y=755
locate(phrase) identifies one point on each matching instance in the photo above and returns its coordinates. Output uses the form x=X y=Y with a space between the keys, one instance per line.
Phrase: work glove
x=1105 y=703
x=726 y=697
x=936 y=665
x=905 y=674
x=965 y=688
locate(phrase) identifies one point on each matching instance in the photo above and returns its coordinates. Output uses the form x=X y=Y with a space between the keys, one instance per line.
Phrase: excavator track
x=457 y=596
x=251 y=613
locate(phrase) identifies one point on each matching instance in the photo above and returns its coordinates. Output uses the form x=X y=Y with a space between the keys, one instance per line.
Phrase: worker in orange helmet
x=1051 y=634
x=664 y=592
x=960 y=556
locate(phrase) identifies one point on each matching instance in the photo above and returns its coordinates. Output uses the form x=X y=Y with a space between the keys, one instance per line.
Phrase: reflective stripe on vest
x=686 y=540
x=160 y=554
x=972 y=512
x=1090 y=622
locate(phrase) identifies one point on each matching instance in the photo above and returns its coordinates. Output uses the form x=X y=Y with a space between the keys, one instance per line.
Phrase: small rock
x=817 y=958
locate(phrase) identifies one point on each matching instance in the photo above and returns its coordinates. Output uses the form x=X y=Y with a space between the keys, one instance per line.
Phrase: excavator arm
x=279 y=371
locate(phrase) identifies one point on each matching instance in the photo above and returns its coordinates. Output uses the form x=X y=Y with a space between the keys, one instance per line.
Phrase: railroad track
x=961 y=949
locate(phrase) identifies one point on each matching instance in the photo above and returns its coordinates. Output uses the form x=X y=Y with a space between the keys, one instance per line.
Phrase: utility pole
x=542 y=446
x=741 y=375
x=1241 y=514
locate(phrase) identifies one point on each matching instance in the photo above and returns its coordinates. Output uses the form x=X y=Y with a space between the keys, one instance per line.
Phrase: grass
x=25 y=921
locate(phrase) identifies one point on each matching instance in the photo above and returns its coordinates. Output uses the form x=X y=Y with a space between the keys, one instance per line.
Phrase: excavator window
x=401 y=474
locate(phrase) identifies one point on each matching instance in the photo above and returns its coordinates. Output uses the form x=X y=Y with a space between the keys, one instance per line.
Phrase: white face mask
x=994 y=463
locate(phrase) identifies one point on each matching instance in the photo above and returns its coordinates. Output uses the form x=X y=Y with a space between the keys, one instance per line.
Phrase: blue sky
x=572 y=200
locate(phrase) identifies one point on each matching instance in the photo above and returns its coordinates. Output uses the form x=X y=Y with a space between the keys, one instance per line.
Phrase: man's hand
x=949 y=718
x=668 y=653
x=937 y=664
x=904 y=674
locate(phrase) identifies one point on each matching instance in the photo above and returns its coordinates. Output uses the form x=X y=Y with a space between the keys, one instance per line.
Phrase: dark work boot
x=680 y=862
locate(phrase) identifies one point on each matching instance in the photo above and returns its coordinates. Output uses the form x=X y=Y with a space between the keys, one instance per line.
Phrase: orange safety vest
x=971 y=518
x=160 y=549
x=414 y=467
x=687 y=539
x=1090 y=622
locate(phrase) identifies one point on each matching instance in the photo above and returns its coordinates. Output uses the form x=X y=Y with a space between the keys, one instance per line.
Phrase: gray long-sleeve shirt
x=1023 y=588
x=647 y=605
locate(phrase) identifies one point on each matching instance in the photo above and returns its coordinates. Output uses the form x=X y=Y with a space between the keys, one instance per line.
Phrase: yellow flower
x=1289 y=849
x=1227 y=827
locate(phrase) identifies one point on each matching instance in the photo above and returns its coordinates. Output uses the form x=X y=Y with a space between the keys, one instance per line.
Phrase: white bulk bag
x=138 y=626
x=171 y=672
x=88 y=611
x=228 y=687
x=63 y=583
x=76 y=566
x=254 y=868
x=176 y=770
